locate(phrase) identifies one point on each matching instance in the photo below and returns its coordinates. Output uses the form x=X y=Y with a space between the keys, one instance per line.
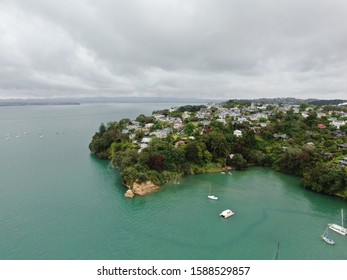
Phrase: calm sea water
x=59 y=202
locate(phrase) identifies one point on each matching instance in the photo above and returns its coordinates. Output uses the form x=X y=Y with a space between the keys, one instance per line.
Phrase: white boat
x=326 y=238
x=226 y=213
x=176 y=182
x=211 y=196
x=337 y=228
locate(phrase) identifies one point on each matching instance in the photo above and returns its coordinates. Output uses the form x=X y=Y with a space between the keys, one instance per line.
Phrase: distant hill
x=328 y=102
x=124 y=99
x=295 y=101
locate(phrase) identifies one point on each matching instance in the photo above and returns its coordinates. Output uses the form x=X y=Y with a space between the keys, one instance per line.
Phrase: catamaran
x=226 y=213
x=337 y=228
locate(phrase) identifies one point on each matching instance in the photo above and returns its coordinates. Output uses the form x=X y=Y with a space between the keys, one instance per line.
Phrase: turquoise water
x=59 y=202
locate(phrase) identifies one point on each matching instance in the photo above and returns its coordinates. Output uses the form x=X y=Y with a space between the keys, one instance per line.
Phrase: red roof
x=320 y=125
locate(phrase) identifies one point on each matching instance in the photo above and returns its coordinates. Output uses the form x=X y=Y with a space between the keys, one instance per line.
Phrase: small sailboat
x=211 y=196
x=326 y=238
x=337 y=228
x=176 y=182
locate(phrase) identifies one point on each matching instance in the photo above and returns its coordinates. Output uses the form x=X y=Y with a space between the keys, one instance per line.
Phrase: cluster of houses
x=257 y=115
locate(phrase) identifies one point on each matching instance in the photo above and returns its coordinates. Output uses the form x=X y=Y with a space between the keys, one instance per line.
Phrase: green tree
x=257 y=157
x=192 y=152
x=294 y=161
x=189 y=128
x=217 y=144
x=325 y=177
x=239 y=162
x=144 y=119
x=304 y=106
x=102 y=129
x=123 y=123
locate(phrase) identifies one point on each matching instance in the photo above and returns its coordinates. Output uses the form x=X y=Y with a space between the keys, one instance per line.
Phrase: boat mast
x=277 y=251
x=342 y=217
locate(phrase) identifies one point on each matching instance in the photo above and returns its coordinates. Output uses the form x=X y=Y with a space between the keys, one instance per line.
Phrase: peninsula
x=305 y=140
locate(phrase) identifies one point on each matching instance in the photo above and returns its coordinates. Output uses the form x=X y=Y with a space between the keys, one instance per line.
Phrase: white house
x=321 y=115
x=162 y=133
x=343 y=162
x=338 y=123
x=241 y=119
x=149 y=125
x=146 y=140
x=160 y=117
x=222 y=121
x=185 y=115
x=237 y=133
x=144 y=143
x=178 y=124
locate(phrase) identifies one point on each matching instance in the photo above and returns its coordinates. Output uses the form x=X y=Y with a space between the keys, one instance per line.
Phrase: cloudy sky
x=173 y=48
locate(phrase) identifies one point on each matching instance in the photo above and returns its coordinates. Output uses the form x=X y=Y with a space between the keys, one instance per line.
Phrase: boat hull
x=337 y=228
x=328 y=240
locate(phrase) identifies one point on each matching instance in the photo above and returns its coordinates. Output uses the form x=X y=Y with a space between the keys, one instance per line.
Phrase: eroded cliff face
x=141 y=189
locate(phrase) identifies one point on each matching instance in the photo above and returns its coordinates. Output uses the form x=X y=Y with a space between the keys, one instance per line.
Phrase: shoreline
x=146 y=188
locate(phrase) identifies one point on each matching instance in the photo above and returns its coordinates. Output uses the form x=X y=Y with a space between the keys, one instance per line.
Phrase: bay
x=59 y=202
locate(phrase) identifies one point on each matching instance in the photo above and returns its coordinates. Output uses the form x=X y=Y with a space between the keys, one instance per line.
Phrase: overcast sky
x=178 y=48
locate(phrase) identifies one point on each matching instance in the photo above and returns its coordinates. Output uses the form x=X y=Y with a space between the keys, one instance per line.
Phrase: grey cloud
x=206 y=48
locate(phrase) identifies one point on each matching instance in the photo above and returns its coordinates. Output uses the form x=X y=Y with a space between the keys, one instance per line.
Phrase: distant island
x=93 y=100
x=35 y=102
x=306 y=139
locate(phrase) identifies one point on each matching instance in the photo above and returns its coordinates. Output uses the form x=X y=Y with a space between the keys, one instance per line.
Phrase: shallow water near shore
x=59 y=202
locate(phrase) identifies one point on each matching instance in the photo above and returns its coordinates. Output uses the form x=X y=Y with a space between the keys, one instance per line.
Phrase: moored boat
x=211 y=196
x=326 y=238
x=226 y=213
x=337 y=228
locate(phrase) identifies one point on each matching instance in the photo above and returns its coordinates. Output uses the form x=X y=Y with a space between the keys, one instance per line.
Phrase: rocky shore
x=141 y=189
